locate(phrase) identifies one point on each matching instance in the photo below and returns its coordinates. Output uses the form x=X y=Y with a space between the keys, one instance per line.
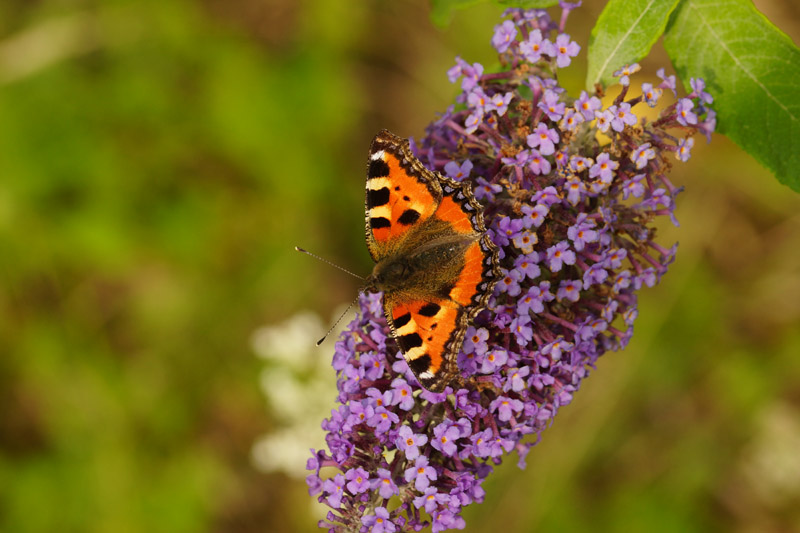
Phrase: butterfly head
x=389 y=275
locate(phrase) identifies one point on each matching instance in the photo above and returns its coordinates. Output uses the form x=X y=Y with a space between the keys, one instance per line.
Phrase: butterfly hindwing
x=421 y=328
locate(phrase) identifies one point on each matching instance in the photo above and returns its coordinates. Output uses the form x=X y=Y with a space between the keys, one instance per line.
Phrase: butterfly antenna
x=315 y=256
x=338 y=320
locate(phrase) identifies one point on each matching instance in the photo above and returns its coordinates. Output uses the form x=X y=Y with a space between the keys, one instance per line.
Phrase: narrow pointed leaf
x=624 y=34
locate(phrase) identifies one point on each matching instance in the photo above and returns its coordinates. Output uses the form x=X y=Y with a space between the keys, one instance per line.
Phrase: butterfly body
x=434 y=262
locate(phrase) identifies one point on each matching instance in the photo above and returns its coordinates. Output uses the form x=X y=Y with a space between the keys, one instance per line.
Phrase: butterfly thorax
x=429 y=267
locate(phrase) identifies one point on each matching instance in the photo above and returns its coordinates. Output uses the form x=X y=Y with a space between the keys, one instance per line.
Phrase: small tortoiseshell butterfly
x=435 y=264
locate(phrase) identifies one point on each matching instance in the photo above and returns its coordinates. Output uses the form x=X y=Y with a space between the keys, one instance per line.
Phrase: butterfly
x=434 y=261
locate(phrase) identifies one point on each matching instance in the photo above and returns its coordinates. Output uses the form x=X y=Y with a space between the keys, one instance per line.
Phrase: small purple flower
x=481 y=443
x=594 y=275
x=313 y=480
x=538 y=164
x=525 y=240
x=521 y=327
x=534 y=216
x=521 y=159
x=604 y=118
x=642 y=155
x=647 y=277
x=527 y=265
x=543 y=138
x=402 y=394
x=699 y=90
x=615 y=257
x=623 y=117
x=532 y=301
x=626 y=71
x=485 y=190
x=551 y=105
x=579 y=163
x=622 y=281
x=685 y=114
x=431 y=500
x=582 y=232
x=565 y=50
x=569 y=289
x=684 y=149
x=507 y=229
x=708 y=126
x=334 y=488
x=603 y=168
x=575 y=190
x=493 y=360
x=535 y=46
x=633 y=187
x=444 y=438
x=499 y=102
x=572 y=119
x=504 y=35
x=379 y=399
x=509 y=282
x=359 y=414
x=556 y=348
x=505 y=407
x=473 y=121
x=379 y=522
x=421 y=474
x=651 y=94
x=409 y=442
x=477 y=100
x=559 y=255
x=668 y=81
x=384 y=484
x=444 y=520
x=456 y=171
x=548 y=197
x=475 y=340
x=358 y=480
x=382 y=420
x=516 y=379
x=587 y=106
x=472 y=73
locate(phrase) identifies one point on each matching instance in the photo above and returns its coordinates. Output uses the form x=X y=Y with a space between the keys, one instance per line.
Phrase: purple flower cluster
x=572 y=218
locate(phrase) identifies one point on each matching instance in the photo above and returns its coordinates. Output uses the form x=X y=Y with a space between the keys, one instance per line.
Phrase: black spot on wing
x=420 y=364
x=429 y=309
x=377 y=198
x=408 y=217
x=377 y=168
x=379 y=222
x=402 y=320
x=409 y=341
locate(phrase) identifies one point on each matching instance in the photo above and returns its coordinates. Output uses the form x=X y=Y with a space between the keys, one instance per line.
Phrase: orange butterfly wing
x=432 y=227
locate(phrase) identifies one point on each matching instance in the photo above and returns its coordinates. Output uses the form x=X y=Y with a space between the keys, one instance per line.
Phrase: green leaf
x=753 y=71
x=624 y=34
x=442 y=10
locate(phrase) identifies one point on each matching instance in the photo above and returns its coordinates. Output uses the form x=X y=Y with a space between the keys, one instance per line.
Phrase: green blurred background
x=158 y=162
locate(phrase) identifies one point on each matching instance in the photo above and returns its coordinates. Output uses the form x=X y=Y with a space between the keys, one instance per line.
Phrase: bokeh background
x=158 y=162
